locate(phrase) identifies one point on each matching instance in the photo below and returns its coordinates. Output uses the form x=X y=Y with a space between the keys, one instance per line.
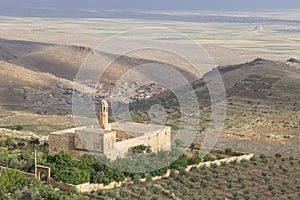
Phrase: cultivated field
x=261 y=178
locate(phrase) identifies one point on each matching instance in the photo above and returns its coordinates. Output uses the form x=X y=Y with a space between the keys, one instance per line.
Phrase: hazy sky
x=155 y=4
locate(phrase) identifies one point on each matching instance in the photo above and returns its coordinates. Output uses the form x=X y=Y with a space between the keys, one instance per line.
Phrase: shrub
x=27 y=192
x=183 y=180
x=267 y=179
x=236 y=153
x=219 y=156
x=271 y=187
x=149 y=177
x=100 y=192
x=246 y=191
x=207 y=177
x=9 y=142
x=141 y=149
x=285 y=183
x=262 y=156
x=185 y=192
x=253 y=158
x=271 y=166
x=21 y=144
x=124 y=194
x=143 y=192
x=234 y=162
x=73 y=176
x=208 y=157
x=155 y=197
x=285 y=170
x=34 y=141
x=9 y=179
x=192 y=146
x=264 y=174
x=244 y=185
x=214 y=165
x=173 y=173
x=182 y=172
x=245 y=164
x=278 y=155
x=235 y=194
x=228 y=150
x=241 y=179
x=258 y=195
x=175 y=186
x=195 y=178
x=137 y=179
x=156 y=189
x=204 y=183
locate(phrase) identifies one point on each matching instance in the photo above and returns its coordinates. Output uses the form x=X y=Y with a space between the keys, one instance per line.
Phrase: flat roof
x=137 y=129
x=64 y=132
x=91 y=129
x=132 y=128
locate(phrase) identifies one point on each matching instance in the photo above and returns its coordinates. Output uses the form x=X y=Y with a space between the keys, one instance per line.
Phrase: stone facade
x=108 y=139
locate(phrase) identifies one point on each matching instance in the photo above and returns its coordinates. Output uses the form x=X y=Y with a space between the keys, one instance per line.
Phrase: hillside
x=262 y=102
x=64 y=61
x=60 y=60
x=262 y=95
x=21 y=88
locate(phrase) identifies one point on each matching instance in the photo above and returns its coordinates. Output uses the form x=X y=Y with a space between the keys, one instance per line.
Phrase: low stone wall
x=28 y=175
x=219 y=162
x=61 y=185
x=88 y=187
x=55 y=184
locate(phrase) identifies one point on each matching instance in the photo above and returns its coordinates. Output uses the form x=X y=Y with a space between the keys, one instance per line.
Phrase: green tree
x=100 y=177
x=34 y=141
x=137 y=179
x=72 y=175
x=9 y=179
x=235 y=194
x=27 y=193
x=149 y=177
x=228 y=150
x=141 y=149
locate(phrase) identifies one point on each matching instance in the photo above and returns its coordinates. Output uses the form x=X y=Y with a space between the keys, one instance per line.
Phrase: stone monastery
x=107 y=139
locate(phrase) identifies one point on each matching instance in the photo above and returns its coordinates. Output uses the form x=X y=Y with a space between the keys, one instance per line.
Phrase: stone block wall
x=159 y=141
x=58 y=143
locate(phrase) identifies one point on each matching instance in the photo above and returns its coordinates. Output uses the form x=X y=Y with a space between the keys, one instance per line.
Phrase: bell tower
x=104 y=116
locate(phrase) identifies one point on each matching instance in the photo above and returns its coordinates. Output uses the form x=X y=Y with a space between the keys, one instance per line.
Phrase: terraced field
x=261 y=178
